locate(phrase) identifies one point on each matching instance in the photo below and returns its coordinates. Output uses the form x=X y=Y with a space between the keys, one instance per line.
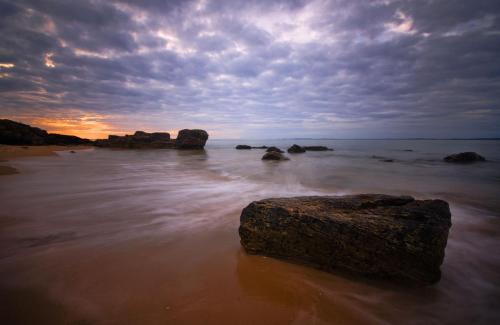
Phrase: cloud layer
x=254 y=69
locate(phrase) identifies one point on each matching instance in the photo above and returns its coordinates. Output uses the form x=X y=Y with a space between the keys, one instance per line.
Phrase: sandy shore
x=8 y=152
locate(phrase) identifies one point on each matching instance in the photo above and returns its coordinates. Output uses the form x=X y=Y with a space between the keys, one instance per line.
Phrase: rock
x=191 y=139
x=464 y=157
x=260 y=147
x=375 y=235
x=72 y=151
x=387 y=160
x=139 y=140
x=15 y=133
x=275 y=149
x=243 y=147
x=274 y=155
x=317 y=148
x=296 y=149
x=65 y=140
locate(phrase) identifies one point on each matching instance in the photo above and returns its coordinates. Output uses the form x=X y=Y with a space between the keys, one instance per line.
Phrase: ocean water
x=150 y=236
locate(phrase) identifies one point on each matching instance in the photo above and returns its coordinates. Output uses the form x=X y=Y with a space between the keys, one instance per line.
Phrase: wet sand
x=8 y=152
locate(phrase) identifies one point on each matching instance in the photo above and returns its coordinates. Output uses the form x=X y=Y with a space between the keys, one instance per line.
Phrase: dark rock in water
x=275 y=149
x=408 y=150
x=375 y=235
x=387 y=160
x=274 y=155
x=464 y=157
x=296 y=149
x=317 y=148
x=243 y=147
x=72 y=151
x=260 y=147
x=139 y=140
x=191 y=139
x=15 y=133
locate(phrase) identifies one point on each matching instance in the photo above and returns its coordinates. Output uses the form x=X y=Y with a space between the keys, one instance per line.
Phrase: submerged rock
x=243 y=147
x=464 y=157
x=370 y=234
x=317 y=148
x=296 y=149
x=275 y=149
x=274 y=155
x=260 y=147
x=191 y=139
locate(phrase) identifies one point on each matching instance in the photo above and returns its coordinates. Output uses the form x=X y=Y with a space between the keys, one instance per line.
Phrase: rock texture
x=464 y=157
x=296 y=149
x=15 y=133
x=274 y=155
x=191 y=139
x=376 y=235
x=317 y=148
x=139 y=140
x=275 y=149
x=243 y=147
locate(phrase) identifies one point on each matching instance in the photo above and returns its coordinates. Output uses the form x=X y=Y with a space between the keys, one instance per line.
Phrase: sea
x=104 y=236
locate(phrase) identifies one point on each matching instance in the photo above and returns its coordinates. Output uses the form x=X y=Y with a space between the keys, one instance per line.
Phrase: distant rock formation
x=317 y=148
x=274 y=155
x=296 y=149
x=15 y=133
x=275 y=149
x=139 y=140
x=370 y=234
x=243 y=147
x=464 y=157
x=191 y=139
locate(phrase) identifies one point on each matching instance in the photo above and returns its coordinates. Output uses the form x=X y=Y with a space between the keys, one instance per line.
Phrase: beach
x=106 y=236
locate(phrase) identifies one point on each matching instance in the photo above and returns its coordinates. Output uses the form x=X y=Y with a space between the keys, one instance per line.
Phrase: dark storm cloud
x=287 y=68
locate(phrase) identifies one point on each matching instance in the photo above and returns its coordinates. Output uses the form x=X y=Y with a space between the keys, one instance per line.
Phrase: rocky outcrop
x=191 y=139
x=317 y=148
x=275 y=149
x=243 y=147
x=274 y=155
x=15 y=133
x=375 y=235
x=464 y=157
x=139 y=140
x=296 y=149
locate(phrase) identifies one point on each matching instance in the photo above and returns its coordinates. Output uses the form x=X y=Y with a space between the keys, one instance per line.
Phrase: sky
x=253 y=69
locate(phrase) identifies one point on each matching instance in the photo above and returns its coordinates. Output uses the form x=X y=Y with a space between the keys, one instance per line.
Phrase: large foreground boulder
x=464 y=157
x=15 y=133
x=191 y=139
x=371 y=234
x=275 y=149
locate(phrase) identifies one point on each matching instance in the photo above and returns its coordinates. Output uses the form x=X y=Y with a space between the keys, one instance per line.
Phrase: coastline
x=10 y=152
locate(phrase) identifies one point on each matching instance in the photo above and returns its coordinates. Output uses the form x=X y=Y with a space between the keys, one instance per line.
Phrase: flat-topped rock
x=375 y=235
x=464 y=157
x=243 y=147
x=139 y=140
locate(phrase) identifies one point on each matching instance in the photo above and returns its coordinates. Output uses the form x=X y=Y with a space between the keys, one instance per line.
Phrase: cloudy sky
x=253 y=69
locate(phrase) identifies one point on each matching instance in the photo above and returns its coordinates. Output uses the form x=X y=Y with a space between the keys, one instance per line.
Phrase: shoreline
x=12 y=152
